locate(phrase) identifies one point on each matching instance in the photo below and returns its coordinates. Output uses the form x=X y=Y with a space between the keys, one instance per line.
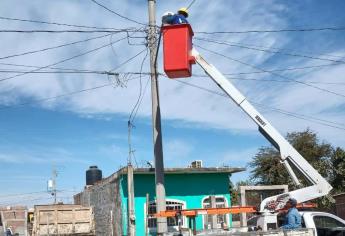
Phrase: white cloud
x=38 y=155
x=177 y=149
x=178 y=102
x=238 y=158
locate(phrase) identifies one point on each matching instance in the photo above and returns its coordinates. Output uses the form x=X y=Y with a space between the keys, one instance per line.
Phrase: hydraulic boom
x=289 y=156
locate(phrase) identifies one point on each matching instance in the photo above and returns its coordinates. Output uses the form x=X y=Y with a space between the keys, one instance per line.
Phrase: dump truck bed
x=63 y=220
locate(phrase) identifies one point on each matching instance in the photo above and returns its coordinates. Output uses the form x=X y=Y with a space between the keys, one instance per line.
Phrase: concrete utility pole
x=156 y=121
x=130 y=186
x=54 y=175
x=131 y=212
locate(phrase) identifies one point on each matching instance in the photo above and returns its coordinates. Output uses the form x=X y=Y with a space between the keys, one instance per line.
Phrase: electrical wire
x=284 y=69
x=142 y=97
x=72 y=70
x=108 y=9
x=31 y=193
x=268 y=50
x=75 y=72
x=275 y=31
x=24 y=201
x=60 y=96
x=273 y=80
x=273 y=73
x=20 y=194
x=271 y=47
x=132 y=117
x=141 y=94
x=54 y=47
x=288 y=113
x=66 y=31
x=75 y=92
x=56 y=97
x=297 y=114
x=56 y=23
x=128 y=60
x=64 y=60
x=191 y=4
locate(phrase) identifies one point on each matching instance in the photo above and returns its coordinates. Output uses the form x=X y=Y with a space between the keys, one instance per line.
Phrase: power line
x=20 y=194
x=108 y=9
x=78 y=91
x=276 y=31
x=296 y=115
x=56 y=23
x=274 y=80
x=56 y=97
x=61 y=95
x=191 y=4
x=26 y=200
x=128 y=60
x=268 y=50
x=74 y=72
x=54 y=47
x=30 y=193
x=271 y=47
x=104 y=72
x=273 y=73
x=61 y=70
x=64 y=60
x=283 y=69
x=138 y=102
x=81 y=71
x=67 y=31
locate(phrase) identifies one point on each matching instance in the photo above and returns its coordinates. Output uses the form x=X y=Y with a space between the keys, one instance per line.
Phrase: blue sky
x=90 y=128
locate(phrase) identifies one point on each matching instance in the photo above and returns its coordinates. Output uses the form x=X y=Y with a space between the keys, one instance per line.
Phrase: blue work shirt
x=179 y=19
x=292 y=219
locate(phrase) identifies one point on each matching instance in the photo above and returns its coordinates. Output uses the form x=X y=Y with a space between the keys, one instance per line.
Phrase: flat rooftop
x=168 y=171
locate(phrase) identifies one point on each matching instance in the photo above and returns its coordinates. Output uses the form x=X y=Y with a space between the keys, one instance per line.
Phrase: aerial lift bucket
x=177 y=47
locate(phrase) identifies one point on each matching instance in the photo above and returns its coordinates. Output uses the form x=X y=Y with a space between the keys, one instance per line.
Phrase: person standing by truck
x=292 y=218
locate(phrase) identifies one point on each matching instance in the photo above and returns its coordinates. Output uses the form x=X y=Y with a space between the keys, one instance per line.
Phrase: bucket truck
x=179 y=55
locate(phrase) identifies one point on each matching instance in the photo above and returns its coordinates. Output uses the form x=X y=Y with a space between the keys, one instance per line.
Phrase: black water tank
x=93 y=174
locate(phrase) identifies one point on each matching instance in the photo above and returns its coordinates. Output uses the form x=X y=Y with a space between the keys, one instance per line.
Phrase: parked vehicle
x=323 y=224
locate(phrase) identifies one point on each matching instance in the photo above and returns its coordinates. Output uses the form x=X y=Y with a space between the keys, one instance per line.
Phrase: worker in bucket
x=292 y=218
x=168 y=18
x=175 y=19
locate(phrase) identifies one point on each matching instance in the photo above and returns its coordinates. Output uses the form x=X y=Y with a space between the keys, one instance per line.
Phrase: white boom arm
x=319 y=186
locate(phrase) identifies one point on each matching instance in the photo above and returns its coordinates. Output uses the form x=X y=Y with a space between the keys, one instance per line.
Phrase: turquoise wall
x=190 y=188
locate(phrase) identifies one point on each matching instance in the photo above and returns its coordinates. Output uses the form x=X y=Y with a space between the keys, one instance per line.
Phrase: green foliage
x=328 y=161
x=338 y=170
x=234 y=190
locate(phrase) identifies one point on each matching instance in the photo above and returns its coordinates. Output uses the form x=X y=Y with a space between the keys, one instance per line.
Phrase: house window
x=170 y=205
x=220 y=203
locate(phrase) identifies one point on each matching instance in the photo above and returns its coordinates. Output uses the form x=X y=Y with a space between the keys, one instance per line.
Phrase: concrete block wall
x=106 y=200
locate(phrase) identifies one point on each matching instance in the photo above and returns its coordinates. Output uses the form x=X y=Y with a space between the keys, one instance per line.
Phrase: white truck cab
x=323 y=224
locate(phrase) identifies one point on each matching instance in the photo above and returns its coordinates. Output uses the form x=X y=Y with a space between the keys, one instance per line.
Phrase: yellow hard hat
x=183 y=11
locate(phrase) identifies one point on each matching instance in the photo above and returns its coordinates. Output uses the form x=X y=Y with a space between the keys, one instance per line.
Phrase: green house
x=186 y=188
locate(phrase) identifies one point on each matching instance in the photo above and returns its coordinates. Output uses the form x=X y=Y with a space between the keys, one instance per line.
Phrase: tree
x=234 y=191
x=338 y=170
x=267 y=168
